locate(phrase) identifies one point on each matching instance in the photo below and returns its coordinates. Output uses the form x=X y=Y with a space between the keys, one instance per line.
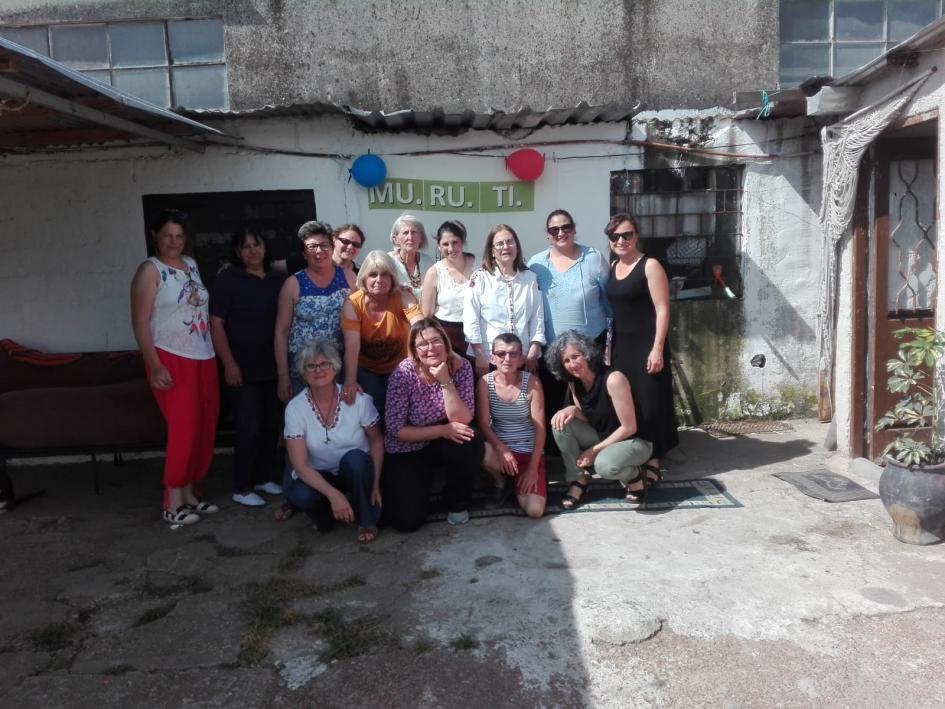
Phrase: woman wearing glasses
x=171 y=324
x=429 y=415
x=446 y=282
x=573 y=280
x=335 y=448
x=348 y=240
x=503 y=297
x=309 y=304
x=638 y=292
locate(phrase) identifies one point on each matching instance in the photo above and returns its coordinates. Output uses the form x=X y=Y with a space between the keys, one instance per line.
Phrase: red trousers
x=190 y=408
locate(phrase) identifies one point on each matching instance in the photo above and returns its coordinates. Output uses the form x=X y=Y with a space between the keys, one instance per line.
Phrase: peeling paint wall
x=480 y=54
x=714 y=341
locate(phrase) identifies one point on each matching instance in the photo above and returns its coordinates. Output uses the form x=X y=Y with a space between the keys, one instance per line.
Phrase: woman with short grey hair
x=598 y=434
x=334 y=447
x=410 y=242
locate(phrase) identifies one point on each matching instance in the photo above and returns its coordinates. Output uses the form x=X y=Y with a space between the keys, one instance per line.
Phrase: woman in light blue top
x=572 y=279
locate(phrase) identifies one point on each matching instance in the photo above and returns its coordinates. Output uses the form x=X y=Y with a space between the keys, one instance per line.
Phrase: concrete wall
x=714 y=341
x=72 y=234
x=479 y=54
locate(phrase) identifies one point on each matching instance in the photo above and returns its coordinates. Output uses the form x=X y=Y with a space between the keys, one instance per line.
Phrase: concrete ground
x=784 y=602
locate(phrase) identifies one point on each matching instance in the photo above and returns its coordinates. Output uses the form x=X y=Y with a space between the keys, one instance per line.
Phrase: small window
x=689 y=219
x=835 y=37
x=34 y=38
x=134 y=57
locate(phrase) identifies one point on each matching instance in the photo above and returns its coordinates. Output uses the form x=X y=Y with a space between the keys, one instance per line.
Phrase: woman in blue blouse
x=572 y=279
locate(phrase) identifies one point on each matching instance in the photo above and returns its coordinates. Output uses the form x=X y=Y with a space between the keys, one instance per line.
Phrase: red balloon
x=526 y=164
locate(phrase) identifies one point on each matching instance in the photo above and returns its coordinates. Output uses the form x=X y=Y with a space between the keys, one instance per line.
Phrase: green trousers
x=618 y=461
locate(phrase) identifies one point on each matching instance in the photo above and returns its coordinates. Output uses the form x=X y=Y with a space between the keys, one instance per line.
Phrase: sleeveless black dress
x=634 y=330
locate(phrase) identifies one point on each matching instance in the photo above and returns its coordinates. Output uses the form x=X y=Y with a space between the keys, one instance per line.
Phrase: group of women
x=405 y=365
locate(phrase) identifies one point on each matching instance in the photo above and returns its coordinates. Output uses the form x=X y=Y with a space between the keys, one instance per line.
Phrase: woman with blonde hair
x=375 y=320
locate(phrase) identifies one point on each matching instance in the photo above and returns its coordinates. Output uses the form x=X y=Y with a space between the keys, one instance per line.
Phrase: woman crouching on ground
x=334 y=447
x=428 y=425
x=598 y=433
x=510 y=410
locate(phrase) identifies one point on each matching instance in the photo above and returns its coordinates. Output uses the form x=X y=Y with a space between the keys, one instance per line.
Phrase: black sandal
x=569 y=501
x=650 y=475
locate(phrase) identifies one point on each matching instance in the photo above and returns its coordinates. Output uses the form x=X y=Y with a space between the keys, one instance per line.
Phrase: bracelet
x=446 y=384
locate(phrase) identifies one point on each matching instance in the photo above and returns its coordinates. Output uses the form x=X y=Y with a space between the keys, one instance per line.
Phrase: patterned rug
x=604 y=496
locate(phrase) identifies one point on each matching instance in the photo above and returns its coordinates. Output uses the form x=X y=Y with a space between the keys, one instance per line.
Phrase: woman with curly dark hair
x=599 y=434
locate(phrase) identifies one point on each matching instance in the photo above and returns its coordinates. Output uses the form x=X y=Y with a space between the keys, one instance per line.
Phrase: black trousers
x=257 y=419
x=408 y=480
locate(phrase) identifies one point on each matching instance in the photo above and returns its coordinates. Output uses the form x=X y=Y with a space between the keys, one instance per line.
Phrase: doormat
x=608 y=496
x=829 y=487
x=726 y=429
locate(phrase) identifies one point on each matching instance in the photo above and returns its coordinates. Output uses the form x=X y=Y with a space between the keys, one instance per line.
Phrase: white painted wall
x=71 y=225
x=72 y=232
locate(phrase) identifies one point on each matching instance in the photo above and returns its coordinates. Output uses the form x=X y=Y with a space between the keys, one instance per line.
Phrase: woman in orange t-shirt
x=375 y=321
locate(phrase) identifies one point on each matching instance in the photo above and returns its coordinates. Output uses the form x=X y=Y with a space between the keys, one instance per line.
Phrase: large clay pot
x=915 y=499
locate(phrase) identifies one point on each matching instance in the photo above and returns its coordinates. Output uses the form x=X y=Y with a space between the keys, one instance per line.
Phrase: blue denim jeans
x=355 y=476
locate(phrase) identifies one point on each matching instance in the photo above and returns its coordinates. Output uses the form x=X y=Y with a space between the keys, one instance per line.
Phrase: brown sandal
x=366 y=535
x=284 y=513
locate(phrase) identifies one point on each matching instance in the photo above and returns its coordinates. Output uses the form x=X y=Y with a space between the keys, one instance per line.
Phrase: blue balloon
x=369 y=170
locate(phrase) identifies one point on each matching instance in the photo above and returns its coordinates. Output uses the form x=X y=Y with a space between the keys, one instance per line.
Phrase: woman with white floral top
x=334 y=447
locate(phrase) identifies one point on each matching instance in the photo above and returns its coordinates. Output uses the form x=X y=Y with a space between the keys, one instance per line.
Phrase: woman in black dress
x=638 y=292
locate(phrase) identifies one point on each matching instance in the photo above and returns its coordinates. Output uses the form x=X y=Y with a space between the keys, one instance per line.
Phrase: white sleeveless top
x=180 y=322
x=449 y=295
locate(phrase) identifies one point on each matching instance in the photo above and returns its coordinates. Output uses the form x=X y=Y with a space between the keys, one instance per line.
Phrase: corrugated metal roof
x=29 y=81
x=437 y=120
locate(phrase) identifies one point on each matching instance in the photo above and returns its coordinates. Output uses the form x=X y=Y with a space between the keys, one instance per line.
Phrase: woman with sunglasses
x=502 y=297
x=242 y=320
x=335 y=447
x=310 y=304
x=638 y=292
x=446 y=282
x=429 y=416
x=572 y=279
x=348 y=240
x=171 y=323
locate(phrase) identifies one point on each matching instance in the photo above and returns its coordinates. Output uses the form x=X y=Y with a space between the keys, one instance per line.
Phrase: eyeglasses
x=507 y=354
x=503 y=244
x=429 y=345
x=563 y=229
x=348 y=242
x=625 y=235
x=318 y=246
x=318 y=366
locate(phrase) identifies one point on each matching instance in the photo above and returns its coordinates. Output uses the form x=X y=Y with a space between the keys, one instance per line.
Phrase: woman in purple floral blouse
x=429 y=409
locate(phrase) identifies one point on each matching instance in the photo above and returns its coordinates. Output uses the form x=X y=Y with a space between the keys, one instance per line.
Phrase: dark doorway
x=276 y=215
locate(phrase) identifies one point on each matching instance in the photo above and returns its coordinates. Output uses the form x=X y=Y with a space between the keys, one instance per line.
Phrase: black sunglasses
x=625 y=235
x=563 y=229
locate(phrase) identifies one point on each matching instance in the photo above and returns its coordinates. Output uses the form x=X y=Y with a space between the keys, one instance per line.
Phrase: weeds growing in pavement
x=464 y=642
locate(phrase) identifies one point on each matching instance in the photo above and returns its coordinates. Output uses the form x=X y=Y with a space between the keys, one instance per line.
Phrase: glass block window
x=690 y=218
x=835 y=37
x=177 y=63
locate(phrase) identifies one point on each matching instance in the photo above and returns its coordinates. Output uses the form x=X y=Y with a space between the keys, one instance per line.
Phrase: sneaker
x=182 y=515
x=458 y=518
x=270 y=488
x=250 y=499
x=496 y=498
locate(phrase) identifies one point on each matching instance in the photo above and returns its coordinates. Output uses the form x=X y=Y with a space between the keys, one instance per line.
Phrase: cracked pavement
x=784 y=602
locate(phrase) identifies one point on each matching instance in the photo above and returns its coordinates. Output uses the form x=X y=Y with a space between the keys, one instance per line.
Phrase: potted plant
x=912 y=486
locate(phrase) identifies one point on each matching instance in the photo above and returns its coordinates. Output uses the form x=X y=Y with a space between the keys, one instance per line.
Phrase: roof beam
x=13 y=89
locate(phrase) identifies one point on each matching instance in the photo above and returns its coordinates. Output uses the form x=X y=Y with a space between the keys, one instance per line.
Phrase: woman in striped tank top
x=510 y=411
